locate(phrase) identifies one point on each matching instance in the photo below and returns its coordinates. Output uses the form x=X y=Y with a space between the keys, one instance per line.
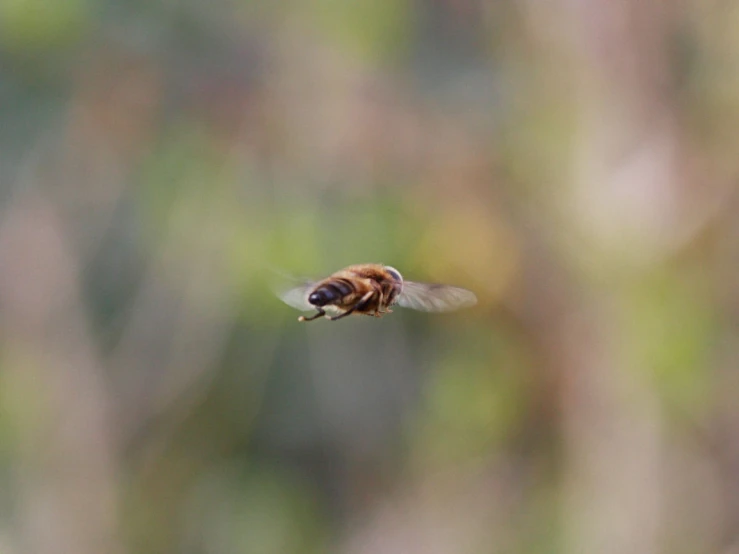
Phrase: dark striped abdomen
x=330 y=292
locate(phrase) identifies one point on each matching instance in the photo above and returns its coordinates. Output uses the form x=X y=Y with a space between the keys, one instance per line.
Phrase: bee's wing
x=435 y=298
x=291 y=289
x=297 y=296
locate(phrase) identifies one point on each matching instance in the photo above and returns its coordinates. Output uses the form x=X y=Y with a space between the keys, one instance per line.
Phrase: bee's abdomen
x=330 y=292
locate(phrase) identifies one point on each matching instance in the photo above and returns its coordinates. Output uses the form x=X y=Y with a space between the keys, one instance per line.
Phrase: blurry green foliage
x=537 y=137
x=40 y=26
x=374 y=30
x=474 y=400
x=24 y=399
x=321 y=239
x=671 y=329
x=260 y=510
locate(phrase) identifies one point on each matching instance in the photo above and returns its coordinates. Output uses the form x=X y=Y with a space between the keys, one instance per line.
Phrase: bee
x=372 y=289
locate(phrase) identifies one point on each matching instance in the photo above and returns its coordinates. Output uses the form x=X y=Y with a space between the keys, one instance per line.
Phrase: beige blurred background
x=574 y=163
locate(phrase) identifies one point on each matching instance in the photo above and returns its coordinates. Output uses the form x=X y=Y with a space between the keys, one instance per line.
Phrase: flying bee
x=371 y=289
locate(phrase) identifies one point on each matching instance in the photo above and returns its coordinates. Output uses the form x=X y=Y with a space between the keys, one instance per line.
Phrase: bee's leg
x=314 y=316
x=358 y=306
x=346 y=313
x=381 y=312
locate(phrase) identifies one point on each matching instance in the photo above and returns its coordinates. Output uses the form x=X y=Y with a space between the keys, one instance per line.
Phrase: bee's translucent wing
x=291 y=289
x=435 y=298
x=297 y=297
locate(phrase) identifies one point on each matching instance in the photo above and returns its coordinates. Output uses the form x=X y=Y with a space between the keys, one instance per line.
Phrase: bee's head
x=397 y=286
x=395 y=273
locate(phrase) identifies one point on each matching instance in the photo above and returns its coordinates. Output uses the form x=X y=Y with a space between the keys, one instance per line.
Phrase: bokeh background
x=574 y=163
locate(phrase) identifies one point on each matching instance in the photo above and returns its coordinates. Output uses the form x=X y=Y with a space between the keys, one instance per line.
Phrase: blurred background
x=574 y=163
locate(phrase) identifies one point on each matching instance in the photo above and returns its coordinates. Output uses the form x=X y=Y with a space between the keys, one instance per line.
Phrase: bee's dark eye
x=395 y=273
